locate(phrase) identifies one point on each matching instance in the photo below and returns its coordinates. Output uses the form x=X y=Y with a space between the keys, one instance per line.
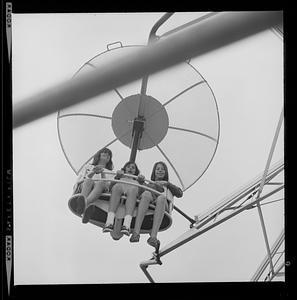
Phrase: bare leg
x=87 y=186
x=145 y=200
x=116 y=234
x=94 y=195
x=131 y=200
x=129 y=208
x=115 y=197
x=114 y=202
x=96 y=192
x=158 y=215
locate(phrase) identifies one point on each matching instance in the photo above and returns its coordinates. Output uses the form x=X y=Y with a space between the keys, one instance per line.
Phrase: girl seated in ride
x=160 y=176
x=88 y=188
x=130 y=191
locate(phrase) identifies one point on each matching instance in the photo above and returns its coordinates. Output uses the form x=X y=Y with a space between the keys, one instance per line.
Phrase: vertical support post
x=138 y=127
x=134 y=148
x=152 y=38
x=262 y=185
x=265 y=236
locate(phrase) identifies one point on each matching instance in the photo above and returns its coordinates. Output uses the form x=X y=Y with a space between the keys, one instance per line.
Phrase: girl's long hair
x=128 y=163
x=96 y=158
x=166 y=176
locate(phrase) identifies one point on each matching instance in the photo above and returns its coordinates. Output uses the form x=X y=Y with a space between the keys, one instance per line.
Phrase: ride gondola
x=145 y=118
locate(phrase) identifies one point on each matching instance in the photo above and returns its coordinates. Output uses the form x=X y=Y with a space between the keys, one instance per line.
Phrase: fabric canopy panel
x=180 y=120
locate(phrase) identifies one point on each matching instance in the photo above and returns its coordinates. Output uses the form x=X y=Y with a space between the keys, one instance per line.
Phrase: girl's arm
x=118 y=176
x=175 y=190
x=88 y=171
x=157 y=186
x=91 y=174
x=84 y=173
x=140 y=179
x=98 y=169
x=112 y=183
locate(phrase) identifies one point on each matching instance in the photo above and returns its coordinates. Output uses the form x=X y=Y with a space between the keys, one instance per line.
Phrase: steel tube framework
x=192 y=233
x=213 y=218
x=199 y=230
x=248 y=189
x=253 y=188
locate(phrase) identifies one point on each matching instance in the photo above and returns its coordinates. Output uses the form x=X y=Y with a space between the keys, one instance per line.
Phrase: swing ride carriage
x=144 y=117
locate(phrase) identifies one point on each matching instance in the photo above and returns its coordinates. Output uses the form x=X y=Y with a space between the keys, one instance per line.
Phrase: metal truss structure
x=251 y=195
x=242 y=200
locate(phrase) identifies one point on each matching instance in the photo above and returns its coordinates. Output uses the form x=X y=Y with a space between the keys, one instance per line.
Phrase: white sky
x=53 y=246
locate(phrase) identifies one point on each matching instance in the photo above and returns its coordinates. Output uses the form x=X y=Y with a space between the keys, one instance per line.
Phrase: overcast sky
x=53 y=246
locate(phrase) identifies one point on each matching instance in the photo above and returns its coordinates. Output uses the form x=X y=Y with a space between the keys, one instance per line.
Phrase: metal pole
x=277 y=271
x=265 y=236
x=195 y=40
x=144 y=266
x=262 y=185
x=265 y=262
x=280 y=121
x=192 y=221
x=159 y=23
x=137 y=132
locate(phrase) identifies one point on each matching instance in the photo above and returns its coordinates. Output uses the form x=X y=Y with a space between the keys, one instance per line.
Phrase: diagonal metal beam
x=275 y=138
x=278 y=271
x=195 y=40
x=201 y=228
x=204 y=226
x=204 y=223
x=243 y=191
x=272 y=148
x=223 y=205
x=265 y=262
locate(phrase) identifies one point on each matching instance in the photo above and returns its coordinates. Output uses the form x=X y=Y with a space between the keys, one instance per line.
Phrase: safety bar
x=128 y=175
x=130 y=183
x=192 y=221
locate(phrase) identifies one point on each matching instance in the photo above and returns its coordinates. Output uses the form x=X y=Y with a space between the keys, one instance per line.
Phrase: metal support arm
x=198 y=39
